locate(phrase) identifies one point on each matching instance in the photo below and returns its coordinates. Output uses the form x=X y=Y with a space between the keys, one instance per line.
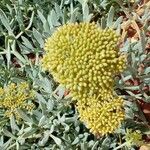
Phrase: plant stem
x=120 y=146
x=27 y=28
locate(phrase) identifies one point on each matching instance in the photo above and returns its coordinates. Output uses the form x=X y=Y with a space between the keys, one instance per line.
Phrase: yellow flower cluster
x=133 y=138
x=84 y=58
x=16 y=96
x=102 y=118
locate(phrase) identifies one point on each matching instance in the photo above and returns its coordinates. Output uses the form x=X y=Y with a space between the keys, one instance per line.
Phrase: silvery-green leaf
x=24 y=116
x=129 y=113
x=127 y=78
x=21 y=140
x=60 y=91
x=66 y=127
x=6 y=144
x=117 y=22
x=26 y=42
x=17 y=146
x=13 y=124
x=8 y=134
x=44 y=139
x=110 y=17
x=147 y=70
x=106 y=143
x=40 y=98
x=94 y=147
x=76 y=140
x=104 y=3
x=29 y=133
x=91 y=143
x=5 y=21
x=52 y=129
x=73 y=15
x=53 y=19
x=47 y=85
x=56 y=139
x=8 y=55
x=138 y=96
x=38 y=37
x=132 y=88
x=42 y=18
x=20 y=57
x=46 y=27
x=103 y=23
x=58 y=10
x=42 y=121
x=126 y=46
x=86 y=15
x=84 y=145
x=143 y=42
x=83 y=1
x=50 y=105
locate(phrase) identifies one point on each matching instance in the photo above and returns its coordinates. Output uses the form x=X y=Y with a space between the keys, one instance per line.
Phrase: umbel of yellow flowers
x=102 y=117
x=84 y=58
x=133 y=138
x=16 y=96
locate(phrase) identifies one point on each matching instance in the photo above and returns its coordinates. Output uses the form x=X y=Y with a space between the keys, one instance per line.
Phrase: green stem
x=2 y=53
x=27 y=28
x=1 y=48
x=122 y=145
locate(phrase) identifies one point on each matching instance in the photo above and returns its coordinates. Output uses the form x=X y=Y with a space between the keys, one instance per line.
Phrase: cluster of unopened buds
x=84 y=58
x=16 y=96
